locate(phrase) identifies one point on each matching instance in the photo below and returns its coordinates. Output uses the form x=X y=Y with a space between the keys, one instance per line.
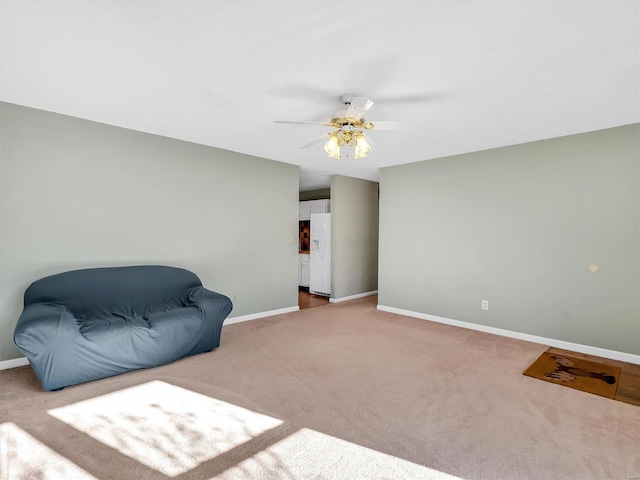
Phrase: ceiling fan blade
x=358 y=107
x=319 y=139
x=304 y=123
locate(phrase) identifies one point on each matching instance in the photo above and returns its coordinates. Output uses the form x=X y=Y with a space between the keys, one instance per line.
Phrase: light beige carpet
x=342 y=391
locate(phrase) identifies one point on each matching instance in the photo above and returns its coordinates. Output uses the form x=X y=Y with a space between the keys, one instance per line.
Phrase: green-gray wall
x=519 y=226
x=78 y=194
x=354 y=236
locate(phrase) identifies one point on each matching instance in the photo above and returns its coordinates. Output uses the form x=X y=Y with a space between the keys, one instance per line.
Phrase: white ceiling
x=464 y=75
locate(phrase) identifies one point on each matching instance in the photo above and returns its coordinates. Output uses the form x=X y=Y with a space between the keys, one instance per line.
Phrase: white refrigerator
x=320 y=269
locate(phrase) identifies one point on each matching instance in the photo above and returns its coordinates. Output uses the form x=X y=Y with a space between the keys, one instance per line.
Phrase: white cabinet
x=304 y=269
x=305 y=209
x=320 y=206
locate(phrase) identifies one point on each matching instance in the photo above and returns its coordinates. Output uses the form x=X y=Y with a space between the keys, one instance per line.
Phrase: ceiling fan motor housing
x=347 y=98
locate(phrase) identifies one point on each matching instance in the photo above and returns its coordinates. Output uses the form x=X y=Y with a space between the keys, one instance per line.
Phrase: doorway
x=309 y=300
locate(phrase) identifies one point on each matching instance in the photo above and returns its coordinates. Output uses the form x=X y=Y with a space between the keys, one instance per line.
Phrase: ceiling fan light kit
x=347 y=143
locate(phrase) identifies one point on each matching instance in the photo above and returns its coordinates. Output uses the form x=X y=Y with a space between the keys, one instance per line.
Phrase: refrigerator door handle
x=323 y=241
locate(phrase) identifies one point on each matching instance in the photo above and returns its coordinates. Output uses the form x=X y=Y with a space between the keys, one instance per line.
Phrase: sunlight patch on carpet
x=165 y=427
x=24 y=457
x=310 y=454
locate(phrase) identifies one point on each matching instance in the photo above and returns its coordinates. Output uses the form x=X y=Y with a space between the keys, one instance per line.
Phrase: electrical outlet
x=485 y=304
x=235 y=297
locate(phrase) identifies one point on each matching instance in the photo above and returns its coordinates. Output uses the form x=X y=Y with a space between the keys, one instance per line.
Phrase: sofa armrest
x=215 y=308
x=41 y=325
x=213 y=304
x=48 y=335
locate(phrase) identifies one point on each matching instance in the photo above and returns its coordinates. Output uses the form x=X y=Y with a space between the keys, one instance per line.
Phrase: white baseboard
x=574 y=347
x=255 y=316
x=16 y=362
x=353 y=297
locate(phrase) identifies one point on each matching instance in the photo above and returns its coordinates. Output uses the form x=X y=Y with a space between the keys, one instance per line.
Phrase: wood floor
x=308 y=300
x=629 y=383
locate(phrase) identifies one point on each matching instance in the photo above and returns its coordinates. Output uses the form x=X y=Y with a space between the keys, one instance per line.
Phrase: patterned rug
x=584 y=375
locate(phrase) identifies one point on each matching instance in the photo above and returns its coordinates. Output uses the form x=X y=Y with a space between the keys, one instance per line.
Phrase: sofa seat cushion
x=184 y=319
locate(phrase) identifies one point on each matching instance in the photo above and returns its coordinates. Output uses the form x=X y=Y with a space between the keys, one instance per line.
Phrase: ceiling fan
x=349 y=139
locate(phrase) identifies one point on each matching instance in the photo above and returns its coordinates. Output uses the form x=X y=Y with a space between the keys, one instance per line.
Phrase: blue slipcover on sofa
x=88 y=324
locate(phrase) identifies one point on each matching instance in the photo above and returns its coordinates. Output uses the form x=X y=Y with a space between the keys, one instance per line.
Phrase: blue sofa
x=88 y=324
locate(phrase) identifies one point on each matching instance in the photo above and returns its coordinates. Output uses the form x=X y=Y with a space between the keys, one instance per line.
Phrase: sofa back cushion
x=133 y=291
